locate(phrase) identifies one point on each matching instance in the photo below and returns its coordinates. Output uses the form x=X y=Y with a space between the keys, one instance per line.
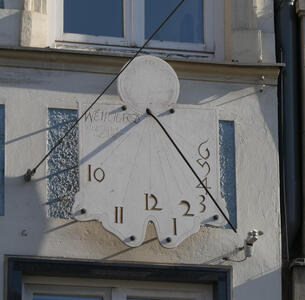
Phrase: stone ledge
x=104 y=63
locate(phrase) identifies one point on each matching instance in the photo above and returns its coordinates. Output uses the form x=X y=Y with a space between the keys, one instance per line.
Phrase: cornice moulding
x=104 y=63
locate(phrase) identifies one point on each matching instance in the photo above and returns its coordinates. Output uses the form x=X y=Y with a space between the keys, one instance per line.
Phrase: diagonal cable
x=148 y=111
x=31 y=172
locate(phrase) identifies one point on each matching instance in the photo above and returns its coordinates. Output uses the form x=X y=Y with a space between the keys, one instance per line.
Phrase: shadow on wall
x=220 y=95
x=59 y=81
x=9 y=27
x=24 y=223
x=264 y=285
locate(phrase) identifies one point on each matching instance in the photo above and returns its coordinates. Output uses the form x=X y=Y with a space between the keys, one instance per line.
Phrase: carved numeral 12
x=155 y=200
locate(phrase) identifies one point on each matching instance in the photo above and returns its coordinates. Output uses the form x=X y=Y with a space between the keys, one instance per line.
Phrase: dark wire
x=148 y=111
x=30 y=173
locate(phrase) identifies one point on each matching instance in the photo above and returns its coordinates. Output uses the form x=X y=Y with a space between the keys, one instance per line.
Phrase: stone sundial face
x=130 y=173
x=149 y=82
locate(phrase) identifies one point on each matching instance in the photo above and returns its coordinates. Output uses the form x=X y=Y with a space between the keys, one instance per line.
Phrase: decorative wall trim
x=111 y=63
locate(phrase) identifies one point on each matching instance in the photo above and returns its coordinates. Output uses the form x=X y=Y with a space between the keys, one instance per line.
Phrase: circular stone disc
x=149 y=82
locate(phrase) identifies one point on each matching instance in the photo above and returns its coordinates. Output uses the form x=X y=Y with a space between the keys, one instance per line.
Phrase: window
x=39 y=288
x=51 y=279
x=128 y=23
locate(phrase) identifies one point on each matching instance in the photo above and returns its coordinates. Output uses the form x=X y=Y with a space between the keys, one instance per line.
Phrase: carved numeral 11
x=118 y=215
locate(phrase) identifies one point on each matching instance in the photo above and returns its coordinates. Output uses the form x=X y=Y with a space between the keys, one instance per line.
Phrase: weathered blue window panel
x=2 y=158
x=63 y=181
x=185 y=26
x=94 y=17
x=227 y=167
x=1 y=3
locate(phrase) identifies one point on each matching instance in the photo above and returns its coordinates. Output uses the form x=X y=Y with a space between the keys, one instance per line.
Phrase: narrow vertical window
x=227 y=167
x=2 y=158
x=94 y=17
x=1 y=3
x=185 y=26
x=62 y=164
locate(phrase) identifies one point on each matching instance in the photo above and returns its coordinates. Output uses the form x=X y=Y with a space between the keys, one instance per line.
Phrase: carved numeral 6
x=204 y=153
x=98 y=174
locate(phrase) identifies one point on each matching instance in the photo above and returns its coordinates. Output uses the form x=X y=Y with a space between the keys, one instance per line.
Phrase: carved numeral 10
x=97 y=174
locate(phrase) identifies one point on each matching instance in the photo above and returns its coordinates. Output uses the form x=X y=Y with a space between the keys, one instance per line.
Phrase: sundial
x=130 y=173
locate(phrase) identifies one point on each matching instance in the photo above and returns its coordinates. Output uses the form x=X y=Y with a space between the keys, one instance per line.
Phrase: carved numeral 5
x=204 y=165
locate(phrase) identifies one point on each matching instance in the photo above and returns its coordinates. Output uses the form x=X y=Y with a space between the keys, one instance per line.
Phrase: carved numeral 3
x=202 y=204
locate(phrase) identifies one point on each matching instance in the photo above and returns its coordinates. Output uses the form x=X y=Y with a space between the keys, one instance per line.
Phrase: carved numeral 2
x=98 y=174
x=154 y=198
x=188 y=207
x=118 y=215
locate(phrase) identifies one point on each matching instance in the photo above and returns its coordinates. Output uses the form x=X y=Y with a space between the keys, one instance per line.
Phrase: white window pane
x=94 y=17
x=55 y=297
x=186 y=25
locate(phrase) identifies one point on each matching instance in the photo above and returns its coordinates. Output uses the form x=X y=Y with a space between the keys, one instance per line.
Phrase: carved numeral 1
x=175 y=226
x=118 y=215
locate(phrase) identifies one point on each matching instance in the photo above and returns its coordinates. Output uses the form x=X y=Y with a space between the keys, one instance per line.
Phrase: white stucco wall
x=27 y=95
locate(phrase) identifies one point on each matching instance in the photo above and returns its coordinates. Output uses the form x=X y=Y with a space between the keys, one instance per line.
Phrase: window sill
x=130 y=51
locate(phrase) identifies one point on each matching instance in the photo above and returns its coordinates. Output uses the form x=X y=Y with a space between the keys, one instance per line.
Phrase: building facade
x=57 y=57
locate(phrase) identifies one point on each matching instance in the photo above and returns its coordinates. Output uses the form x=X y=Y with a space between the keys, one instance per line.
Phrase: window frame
x=134 y=35
x=113 y=289
x=18 y=268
